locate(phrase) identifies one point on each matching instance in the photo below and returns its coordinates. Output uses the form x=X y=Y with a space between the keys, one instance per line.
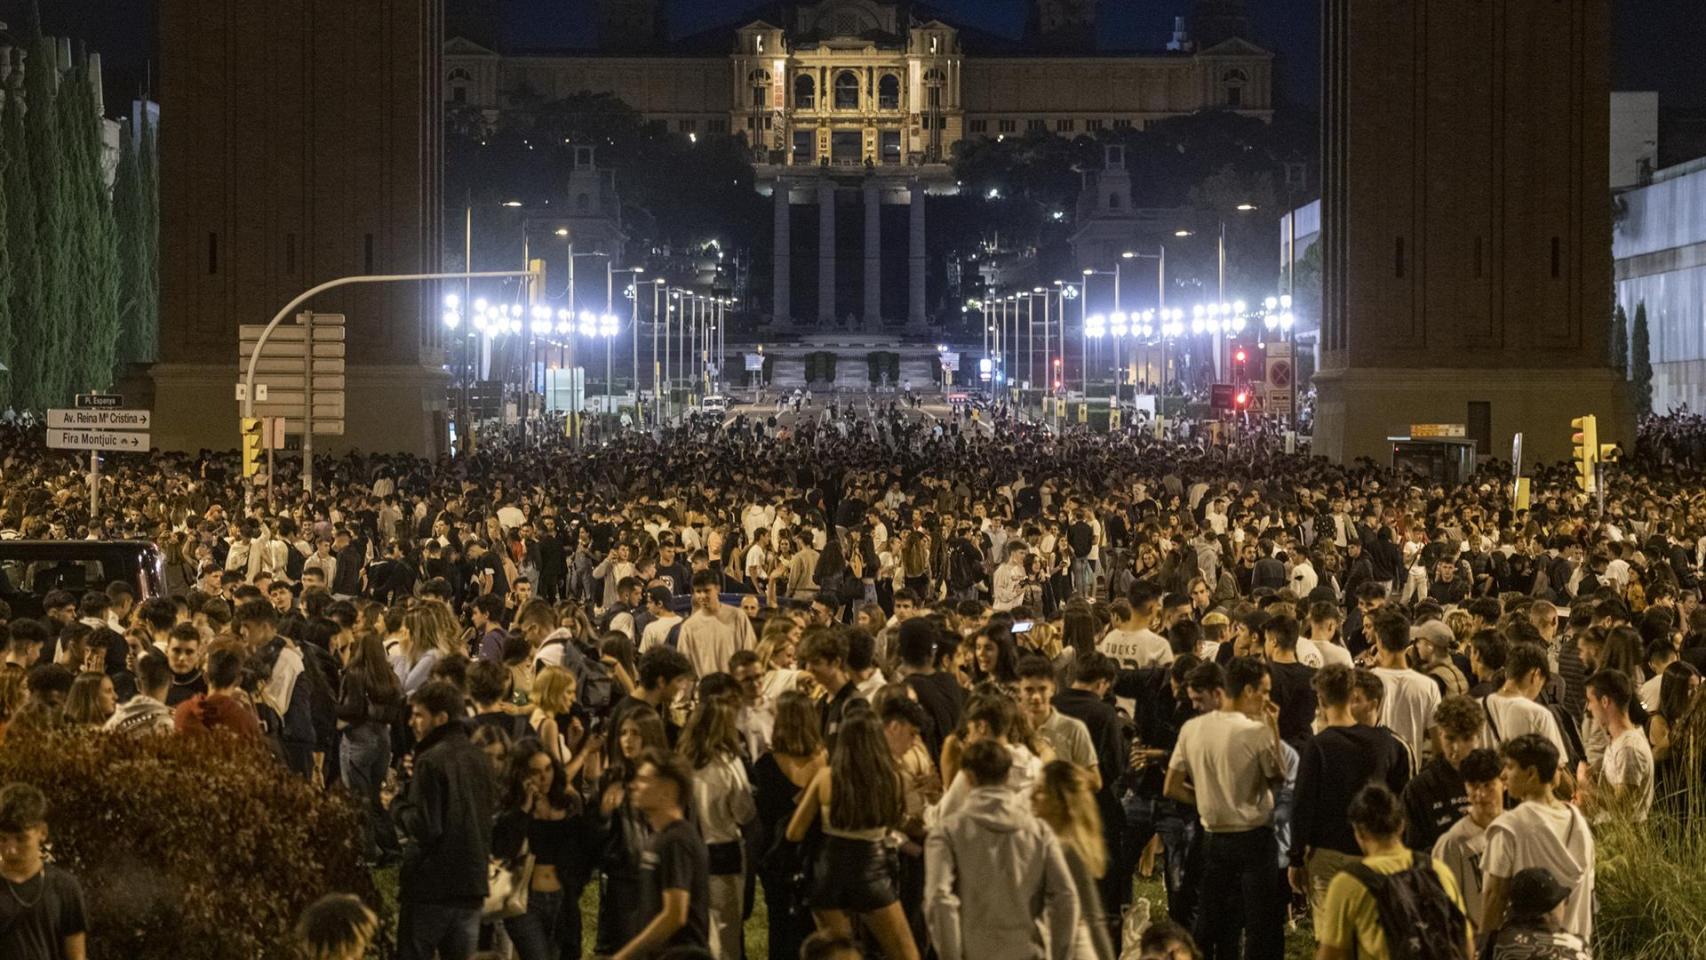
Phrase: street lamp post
x=657 y=390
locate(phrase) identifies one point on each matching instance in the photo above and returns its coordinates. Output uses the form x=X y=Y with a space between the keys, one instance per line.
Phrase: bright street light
x=1245 y=207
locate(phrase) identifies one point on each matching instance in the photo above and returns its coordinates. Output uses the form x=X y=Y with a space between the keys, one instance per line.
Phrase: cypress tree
x=1642 y=363
x=7 y=147
x=1620 y=342
x=51 y=175
x=36 y=230
x=148 y=174
x=94 y=327
x=127 y=220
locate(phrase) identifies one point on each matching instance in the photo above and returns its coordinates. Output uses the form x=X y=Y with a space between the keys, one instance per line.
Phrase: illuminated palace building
x=856 y=106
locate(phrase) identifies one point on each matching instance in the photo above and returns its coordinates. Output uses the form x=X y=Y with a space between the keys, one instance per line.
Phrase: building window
x=459 y=81
x=1007 y=126
x=1093 y=124
x=888 y=92
x=759 y=80
x=1232 y=84
x=978 y=126
x=890 y=140
x=1064 y=126
x=805 y=92
x=847 y=90
x=1122 y=124
x=686 y=126
x=805 y=147
x=1115 y=200
x=758 y=44
x=717 y=125
x=1036 y=123
x=213 y=253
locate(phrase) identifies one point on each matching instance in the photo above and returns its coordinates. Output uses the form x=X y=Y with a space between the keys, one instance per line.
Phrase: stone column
x=825 y=251
x=915 y=258
x=781 y=291
x=873 y=256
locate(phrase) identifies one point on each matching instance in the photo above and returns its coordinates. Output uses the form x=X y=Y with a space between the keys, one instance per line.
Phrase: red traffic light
x=1242 y=398
x=1240 y=356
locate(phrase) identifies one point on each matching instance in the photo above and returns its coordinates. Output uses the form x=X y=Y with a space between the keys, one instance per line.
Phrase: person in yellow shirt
x=1349 y=923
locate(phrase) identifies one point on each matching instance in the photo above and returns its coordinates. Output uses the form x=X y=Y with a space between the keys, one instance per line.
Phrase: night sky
x=1656 y=43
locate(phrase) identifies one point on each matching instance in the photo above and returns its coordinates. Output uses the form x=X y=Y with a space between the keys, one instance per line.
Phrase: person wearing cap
x=1433 y=643
x=1541 y=831
x=1535 y=928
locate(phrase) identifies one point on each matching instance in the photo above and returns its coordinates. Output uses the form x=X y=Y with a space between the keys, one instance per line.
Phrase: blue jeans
x=540 y=934
x=428 y=929
x=1083 y=577
x=364 y=755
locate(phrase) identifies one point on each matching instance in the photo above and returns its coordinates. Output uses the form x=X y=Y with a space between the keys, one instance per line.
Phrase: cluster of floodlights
x=496 y=319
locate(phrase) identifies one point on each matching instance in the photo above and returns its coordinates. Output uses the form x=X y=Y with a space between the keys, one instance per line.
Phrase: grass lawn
x=1299 y=944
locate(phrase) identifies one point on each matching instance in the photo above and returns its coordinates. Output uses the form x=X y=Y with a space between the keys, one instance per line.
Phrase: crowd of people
x=919 y=689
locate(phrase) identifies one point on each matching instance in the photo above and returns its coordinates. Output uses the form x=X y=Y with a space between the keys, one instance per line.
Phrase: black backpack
x=595 y=686
x=1419 y=918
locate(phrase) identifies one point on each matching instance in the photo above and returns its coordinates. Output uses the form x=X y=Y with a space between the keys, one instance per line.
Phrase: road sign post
x=97 y=423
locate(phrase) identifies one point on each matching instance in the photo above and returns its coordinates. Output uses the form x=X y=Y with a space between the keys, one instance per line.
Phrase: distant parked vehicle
x=31 y=569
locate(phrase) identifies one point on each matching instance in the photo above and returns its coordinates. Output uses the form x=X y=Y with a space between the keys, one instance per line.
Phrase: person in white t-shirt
x=1321 y=648
x=1131 y=642
x=1463 y=848
x=1512 y=710
x=1542 y=831
x=1625 y=780
x=664 y=618
x=1227 y=763
x=1411 y=697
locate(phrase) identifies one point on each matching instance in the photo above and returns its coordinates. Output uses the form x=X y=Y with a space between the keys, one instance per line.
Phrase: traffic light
x=1241 y=400
x=1240 y=356
x=1584 y=449
x=251 y=430
x=1608 y=453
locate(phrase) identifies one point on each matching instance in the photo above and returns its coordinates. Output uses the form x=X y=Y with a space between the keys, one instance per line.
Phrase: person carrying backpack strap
x=1394 y=904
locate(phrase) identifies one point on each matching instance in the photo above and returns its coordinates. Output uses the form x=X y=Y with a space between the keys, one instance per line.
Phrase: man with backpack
x=1394 y=903
x=1512 y=710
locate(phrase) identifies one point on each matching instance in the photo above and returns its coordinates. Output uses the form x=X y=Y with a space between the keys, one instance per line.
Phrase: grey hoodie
x=996 y=885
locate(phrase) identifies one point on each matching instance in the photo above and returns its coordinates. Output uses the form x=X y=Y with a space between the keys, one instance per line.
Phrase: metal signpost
x=300 y=380
x=247 y=390
x=98 y=423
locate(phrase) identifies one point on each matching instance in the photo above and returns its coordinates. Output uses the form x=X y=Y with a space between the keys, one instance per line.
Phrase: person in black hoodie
x=445 y=816
x=1086 y=701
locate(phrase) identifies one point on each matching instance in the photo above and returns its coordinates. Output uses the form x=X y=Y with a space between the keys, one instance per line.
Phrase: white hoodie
x=1555 y=836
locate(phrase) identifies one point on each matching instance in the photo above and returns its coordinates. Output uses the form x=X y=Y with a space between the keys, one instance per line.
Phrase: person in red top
x=222 y=706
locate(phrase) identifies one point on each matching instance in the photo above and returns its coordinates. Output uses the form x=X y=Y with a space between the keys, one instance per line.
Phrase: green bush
x=189 y=848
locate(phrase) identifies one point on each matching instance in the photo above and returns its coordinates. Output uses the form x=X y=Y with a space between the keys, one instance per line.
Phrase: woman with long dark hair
x=539 y=819
x=860 y=798
x=370 y=701
x=621 y=836
x=796 y=754
x=723 y=807
x=996 y=657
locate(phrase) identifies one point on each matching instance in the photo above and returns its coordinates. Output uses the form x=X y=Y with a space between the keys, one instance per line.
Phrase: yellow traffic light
x=251 y=430
x=536 y=283
x=1585 y=450
x=1608 y=453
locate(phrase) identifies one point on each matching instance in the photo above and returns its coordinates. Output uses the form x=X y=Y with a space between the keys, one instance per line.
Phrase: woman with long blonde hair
x=425 y=641
x=722 y=806
x=1063 y=800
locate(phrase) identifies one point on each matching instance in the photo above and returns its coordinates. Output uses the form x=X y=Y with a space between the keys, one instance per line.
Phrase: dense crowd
x=922 y=690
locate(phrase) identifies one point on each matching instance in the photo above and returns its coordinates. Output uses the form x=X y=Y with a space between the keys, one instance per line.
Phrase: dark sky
x=1656 y=43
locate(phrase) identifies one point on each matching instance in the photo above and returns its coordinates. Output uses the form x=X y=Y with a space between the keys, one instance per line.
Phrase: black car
x=31 y=569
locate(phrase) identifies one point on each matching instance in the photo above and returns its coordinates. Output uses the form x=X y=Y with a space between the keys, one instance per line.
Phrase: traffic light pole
x=305 y=296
